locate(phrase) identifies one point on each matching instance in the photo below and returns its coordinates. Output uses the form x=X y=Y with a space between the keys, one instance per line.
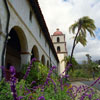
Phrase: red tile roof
x=58 y=32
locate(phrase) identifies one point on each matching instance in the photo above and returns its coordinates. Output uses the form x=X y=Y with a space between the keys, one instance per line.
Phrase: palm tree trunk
x=74 y=44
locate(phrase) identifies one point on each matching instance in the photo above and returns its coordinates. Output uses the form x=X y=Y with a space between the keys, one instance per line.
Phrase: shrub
x=53 y=87
x=5 y=91
x=79 y=73
x=37 y=73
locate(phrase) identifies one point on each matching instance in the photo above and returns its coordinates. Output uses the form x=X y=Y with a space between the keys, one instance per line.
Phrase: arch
x=22 y=38
x=47 y=63
x=58 y=49
x=16 y=47
x=35 y=52
x=58 y=39
x=43 y=59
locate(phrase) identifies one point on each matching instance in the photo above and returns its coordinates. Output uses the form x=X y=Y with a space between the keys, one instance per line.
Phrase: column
x=25 y=58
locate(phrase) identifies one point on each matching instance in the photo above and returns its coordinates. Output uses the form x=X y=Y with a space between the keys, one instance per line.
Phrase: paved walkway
x=96 y=85
x=78 y=84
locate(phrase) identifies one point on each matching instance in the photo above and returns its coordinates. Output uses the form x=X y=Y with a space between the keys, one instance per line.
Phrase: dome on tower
x=57 y=32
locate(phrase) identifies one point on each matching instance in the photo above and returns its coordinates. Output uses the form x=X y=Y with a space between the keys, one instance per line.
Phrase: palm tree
x=83 y=25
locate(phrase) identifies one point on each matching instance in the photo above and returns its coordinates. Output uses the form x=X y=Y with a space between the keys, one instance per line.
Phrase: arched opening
x=43 y=59
x=16 y=49
x=13 y=56
x=58 y=39
x=58 y=49
x=47 y=63
x=35 y=53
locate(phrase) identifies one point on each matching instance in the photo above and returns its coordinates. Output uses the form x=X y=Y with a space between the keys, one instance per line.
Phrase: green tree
x=83 y=25
x=92 y=67
x=67 y=59
x=88 y=58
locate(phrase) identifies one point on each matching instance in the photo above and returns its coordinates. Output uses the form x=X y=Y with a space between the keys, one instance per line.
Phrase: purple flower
x=33 y=59
x=69 y=64
x=95 y=82
x=53 y=67
x=61 y=83
x=86 y=95
x=66 y=69
x=3 y=71
x=13 y=82
x=29 y=68
x=12 y=70
x=53 y=84
x=28 y=90
x=33 y=82
x=41 y=98
x=19 y=98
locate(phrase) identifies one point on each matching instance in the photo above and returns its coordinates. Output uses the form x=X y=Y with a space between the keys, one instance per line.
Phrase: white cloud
x=60 y=14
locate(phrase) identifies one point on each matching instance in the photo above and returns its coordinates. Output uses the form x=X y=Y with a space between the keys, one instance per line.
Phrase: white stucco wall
x=62 y=64
x=61 y=37
x=23 y=12
x=61 y=45
x=19 y=10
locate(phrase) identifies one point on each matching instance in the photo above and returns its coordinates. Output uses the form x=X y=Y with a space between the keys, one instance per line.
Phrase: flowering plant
x=52 y=88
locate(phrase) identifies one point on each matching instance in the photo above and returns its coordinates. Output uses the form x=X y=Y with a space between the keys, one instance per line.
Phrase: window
x=58 y=49
x=30 y=15
x=58 y=39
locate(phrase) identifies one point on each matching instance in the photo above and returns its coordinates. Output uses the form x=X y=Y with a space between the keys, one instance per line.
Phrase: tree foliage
x=67 y=59
x=38 y=72
x=91 y=66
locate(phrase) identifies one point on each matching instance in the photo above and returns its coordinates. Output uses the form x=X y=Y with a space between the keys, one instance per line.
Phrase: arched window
x=58 y=49
x=58 y=39
x=47 y=63
x=43 y=59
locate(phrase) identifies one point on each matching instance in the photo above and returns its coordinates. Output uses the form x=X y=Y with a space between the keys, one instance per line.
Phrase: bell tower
x=58 y=39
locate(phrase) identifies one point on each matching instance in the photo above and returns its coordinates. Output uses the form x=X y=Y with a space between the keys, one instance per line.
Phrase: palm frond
x=83 y=32
x=81 y=39
x=66 y=59
x=91 y=32
x=73 y=27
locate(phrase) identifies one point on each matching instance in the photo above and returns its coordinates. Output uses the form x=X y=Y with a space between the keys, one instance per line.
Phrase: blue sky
x=97 y=32
x=65 y=0
x=62 y=13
